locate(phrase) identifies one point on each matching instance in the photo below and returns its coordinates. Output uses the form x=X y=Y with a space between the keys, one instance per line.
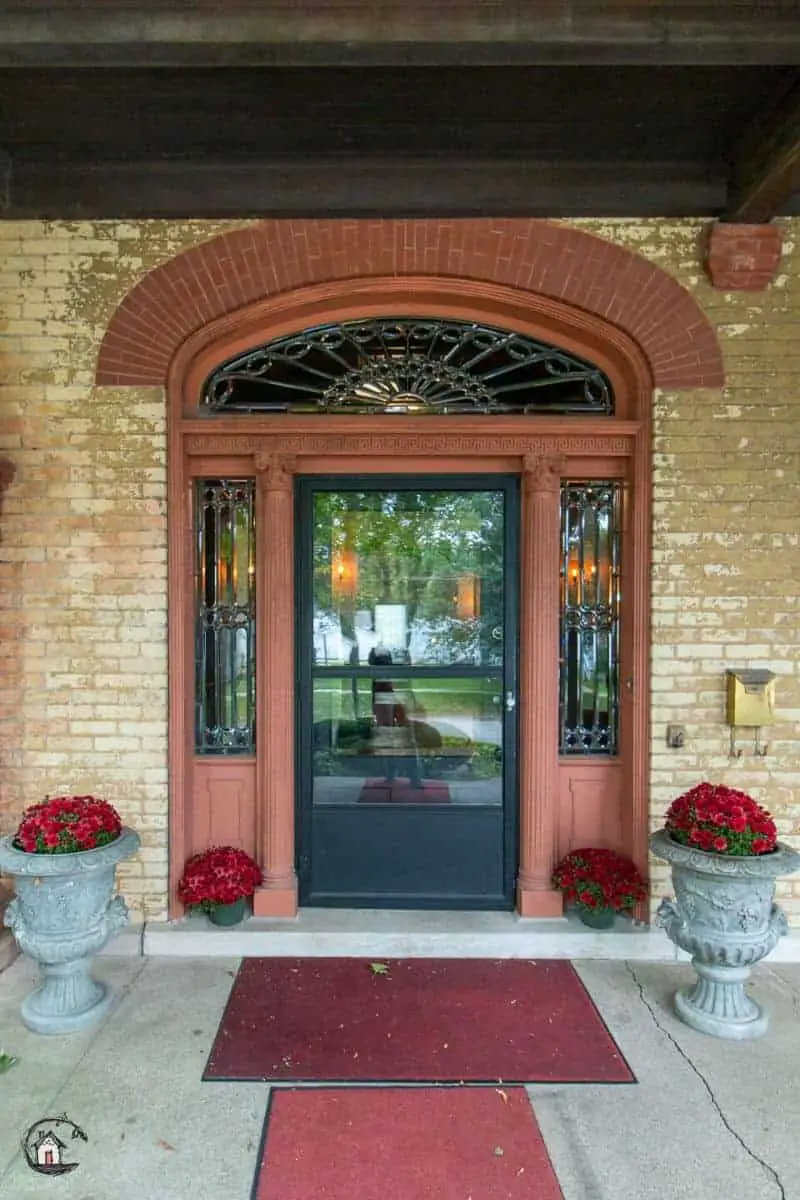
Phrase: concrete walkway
x=707 y=1119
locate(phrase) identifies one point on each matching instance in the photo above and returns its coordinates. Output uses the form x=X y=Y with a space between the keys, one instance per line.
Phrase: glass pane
x=408 y=577
x=225 y=641
x=590 y=532
x=407 y=740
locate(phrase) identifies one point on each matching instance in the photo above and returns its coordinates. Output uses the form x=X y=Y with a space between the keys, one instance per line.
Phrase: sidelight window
x=589 y=649
x=225 y=616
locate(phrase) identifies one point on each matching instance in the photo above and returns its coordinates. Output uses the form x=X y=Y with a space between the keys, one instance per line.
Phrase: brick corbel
x=742 y=258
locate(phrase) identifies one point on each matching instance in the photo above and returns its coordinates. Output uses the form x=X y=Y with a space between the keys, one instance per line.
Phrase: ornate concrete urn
x=724 y=915
x=62 y=914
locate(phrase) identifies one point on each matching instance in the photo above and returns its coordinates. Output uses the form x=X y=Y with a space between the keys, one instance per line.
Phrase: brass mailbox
x=750 y=698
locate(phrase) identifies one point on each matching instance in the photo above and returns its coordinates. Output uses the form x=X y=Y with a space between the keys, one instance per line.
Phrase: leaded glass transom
x=225 y=616
x=408 y=365
x=590 y=584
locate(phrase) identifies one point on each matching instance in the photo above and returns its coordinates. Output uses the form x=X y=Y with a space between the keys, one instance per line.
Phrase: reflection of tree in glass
x=412 y=548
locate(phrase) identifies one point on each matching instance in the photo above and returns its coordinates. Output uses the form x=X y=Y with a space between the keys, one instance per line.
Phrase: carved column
x=539 y=684
x=275 y=682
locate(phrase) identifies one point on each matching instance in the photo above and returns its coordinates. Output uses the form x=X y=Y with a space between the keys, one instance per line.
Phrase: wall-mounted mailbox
x=750 y=698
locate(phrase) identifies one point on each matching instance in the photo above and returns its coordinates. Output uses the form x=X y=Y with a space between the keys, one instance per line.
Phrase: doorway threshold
x=392 y=933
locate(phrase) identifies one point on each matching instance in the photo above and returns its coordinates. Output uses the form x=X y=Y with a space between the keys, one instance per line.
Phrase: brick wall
x=83 y=556
x=726 y=535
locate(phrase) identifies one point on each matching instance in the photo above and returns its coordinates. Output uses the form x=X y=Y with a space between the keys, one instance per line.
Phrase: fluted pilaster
x=275 y=682
x=541 y=523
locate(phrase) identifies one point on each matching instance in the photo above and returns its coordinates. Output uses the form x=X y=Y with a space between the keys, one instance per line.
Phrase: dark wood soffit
x=363 y=188
x=311 y=32
x=766 y=170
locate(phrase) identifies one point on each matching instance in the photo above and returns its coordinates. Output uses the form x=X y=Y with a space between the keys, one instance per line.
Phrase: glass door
x=407 y=599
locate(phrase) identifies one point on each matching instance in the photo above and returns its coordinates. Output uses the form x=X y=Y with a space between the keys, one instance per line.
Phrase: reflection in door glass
x=408 y=577
x=396 y=740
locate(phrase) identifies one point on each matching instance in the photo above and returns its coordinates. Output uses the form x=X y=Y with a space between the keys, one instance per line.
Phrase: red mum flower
x=599 y=878
x=67 y=825
x=219 y=875
x=722 y=820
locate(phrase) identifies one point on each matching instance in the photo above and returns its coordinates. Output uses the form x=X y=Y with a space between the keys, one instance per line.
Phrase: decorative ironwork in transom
x=408 y=365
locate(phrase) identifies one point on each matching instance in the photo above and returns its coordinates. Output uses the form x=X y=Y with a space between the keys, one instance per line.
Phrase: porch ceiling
x=157 y=108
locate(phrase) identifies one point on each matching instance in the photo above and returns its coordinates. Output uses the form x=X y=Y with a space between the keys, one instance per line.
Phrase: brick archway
x=605 y=303
x=266 y=259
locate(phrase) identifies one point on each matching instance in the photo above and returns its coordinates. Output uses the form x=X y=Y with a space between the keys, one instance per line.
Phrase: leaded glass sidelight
x=589 y=651
x=225 y=616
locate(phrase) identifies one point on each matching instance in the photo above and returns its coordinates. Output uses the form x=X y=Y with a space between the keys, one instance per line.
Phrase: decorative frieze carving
x=269 y=445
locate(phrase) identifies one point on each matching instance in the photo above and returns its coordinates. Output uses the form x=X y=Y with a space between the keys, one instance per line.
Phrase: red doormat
x=402 y=791
x=418 y=1020
x=404 y=1144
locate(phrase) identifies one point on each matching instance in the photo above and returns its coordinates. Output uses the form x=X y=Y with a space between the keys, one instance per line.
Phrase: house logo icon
x=48 y=1145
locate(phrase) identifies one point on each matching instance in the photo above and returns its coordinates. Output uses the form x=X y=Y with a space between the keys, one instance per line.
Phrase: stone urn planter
x=63 y=913
x=724 y=915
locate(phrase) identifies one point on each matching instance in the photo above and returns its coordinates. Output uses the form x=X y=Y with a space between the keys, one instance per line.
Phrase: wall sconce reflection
x=344 y=574
x=467 y=597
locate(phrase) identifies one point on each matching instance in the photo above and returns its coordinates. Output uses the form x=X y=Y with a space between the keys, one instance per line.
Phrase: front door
x=407 y=672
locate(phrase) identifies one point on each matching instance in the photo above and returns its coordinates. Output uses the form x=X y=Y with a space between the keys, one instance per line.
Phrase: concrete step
x=329 y=932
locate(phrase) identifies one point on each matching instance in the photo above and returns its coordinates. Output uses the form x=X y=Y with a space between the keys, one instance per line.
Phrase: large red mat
x=422 y=1021
x=404 y=1144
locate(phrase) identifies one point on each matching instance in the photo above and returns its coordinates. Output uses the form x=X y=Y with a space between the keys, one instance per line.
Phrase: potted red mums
x=63 y=858
x=725 y=856
x=721 y=820
x=599 y=883
x=218 y=881
x=67 y=824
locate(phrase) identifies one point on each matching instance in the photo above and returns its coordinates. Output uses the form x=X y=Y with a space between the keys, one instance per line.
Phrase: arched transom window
x=402 y=365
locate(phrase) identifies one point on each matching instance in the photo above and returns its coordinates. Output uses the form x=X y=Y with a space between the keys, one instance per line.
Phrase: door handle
x=511 y=701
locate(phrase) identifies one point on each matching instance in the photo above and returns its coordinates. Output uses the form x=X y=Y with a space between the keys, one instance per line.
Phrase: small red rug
x=402 y=791
x=417 y=1020
x=404 y=1144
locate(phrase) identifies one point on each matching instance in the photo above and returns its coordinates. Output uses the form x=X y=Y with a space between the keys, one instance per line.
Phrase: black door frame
x=305 y=487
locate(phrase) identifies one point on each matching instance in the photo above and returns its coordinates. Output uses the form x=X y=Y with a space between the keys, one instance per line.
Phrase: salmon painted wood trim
x=538 y=722
x=586 y=447
x=234 y=270
x=542 y=792
x=275 y=677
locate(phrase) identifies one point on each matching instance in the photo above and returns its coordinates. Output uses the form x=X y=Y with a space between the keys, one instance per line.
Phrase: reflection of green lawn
x=438 y=697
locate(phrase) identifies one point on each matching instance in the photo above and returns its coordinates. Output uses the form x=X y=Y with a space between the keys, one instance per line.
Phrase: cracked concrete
x=709 y=1120
x=680 y=1050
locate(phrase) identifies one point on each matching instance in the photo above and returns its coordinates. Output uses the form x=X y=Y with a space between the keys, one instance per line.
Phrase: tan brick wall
x=84 y=537
x=726 y=536
x=83 y=561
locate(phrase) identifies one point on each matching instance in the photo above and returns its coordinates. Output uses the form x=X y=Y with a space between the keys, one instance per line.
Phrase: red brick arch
x=246 y=265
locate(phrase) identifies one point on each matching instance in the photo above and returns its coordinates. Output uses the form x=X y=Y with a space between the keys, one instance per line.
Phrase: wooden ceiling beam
x=387 y=32
x=357 y=188
x=766 y=172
